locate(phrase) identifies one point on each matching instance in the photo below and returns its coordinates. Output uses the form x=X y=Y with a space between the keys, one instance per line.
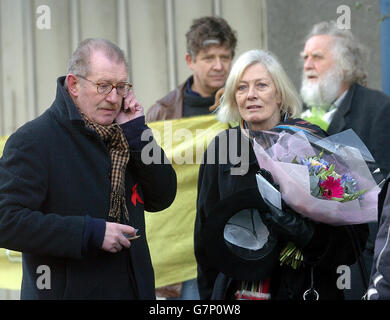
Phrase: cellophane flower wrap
x=288 y=158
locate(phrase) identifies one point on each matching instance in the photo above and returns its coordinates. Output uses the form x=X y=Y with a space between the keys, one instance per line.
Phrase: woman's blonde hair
x=290 y=100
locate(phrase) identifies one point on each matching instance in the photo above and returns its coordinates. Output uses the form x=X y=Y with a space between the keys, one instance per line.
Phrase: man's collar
x=189 y=91
x=339 y=100
x=70 y=106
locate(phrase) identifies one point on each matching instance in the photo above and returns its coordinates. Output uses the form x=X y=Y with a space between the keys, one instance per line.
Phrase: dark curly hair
x=208 y=31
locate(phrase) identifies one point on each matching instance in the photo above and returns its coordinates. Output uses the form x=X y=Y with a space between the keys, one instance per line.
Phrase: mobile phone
x=123 y=104
x=130 y=237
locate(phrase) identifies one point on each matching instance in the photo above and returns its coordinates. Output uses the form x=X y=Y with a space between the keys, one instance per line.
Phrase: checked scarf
x=116 y=142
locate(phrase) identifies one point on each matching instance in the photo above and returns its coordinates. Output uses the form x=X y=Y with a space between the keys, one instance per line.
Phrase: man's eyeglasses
x=122 y=88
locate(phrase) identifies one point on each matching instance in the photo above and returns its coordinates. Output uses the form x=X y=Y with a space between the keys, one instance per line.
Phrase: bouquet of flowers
x=326 y=180
x=326 y=183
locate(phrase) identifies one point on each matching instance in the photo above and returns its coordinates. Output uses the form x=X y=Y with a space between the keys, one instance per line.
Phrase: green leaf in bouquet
x=295 y=160
x=354 y=196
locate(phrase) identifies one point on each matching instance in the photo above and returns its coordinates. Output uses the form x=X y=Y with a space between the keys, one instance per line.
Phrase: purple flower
x=348 y=183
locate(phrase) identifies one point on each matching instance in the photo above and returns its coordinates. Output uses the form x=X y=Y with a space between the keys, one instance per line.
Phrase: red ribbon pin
x=135 y=196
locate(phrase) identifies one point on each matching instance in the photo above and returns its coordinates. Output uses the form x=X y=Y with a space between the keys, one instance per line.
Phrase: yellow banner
x=10 y=269
x=3 y=139
x=10 y=261
x=170 y=232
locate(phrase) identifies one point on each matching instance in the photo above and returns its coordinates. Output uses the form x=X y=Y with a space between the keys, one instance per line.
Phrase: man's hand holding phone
x=118 y=236
x=130 y=109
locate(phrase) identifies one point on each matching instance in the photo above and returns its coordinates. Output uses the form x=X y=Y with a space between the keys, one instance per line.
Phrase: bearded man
x=334 y=80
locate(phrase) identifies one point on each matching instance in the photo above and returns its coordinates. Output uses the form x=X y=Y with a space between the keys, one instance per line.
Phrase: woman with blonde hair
x=231 y=212
x=290 y=102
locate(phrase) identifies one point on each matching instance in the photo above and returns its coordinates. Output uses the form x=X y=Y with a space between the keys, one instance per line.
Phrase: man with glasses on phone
x=74 y=186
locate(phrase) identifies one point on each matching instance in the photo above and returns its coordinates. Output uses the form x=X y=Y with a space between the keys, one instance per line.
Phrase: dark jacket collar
x=188 y=89
x=345 y=105
x=63 y=106
x=338 y=122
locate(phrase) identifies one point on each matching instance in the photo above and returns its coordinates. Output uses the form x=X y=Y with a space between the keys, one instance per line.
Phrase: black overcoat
x=53 y=174
x=329 y=248
x=367 y=112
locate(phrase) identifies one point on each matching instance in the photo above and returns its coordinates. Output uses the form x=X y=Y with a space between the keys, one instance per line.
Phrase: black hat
x=225 y=253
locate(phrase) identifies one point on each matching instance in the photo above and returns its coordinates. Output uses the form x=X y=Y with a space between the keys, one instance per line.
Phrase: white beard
x=325 y=90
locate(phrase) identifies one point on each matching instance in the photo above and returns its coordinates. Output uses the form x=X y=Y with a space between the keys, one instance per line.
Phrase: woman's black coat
x=329 y=248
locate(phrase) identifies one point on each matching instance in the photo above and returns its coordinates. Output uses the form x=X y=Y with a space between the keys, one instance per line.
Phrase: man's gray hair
x=80 y=61
x=350 y=54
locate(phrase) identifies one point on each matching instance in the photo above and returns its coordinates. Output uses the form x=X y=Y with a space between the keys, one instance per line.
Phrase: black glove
x=289 y=225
